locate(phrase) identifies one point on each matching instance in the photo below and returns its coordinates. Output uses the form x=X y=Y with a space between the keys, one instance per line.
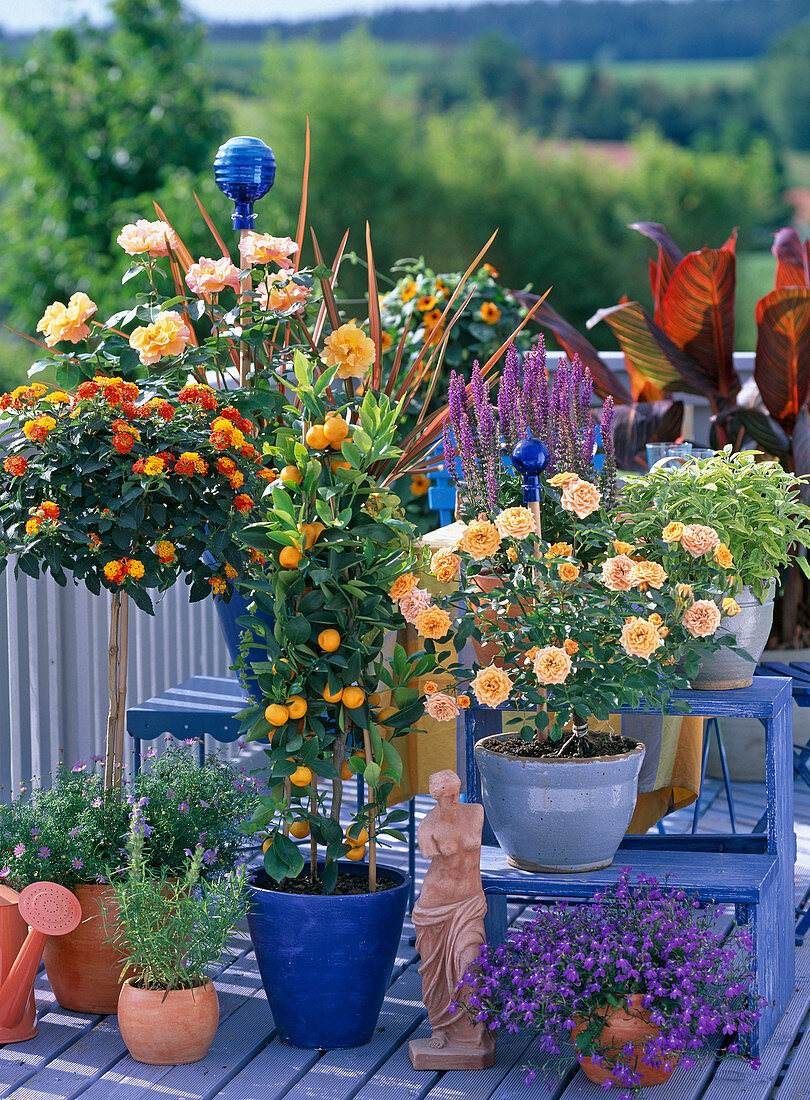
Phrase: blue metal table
x=753 y=872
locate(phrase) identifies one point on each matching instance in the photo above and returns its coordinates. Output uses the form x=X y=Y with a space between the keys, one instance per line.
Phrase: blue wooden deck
x=83 y=1056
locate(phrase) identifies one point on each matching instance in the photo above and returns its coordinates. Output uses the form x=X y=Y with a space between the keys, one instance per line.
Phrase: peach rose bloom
x=480 y=539
x=640 y=638
x=261 y=248
x=559 y=480
x=673 y=532
x=430 y=687
x=463 y=702
x=350 y=349
x=685 y=591
x=515 y=523
x=491 y=686
x=156 y=238
x=67 y=322
x=649 y=574
x=281 y=293
x=698 y=540
x=702 y=619
x=402 y=586
x=512 y=554
x=167 y=335
x=619 y=573
x=210 y=276
x=552 y=665
x=433 y=622
x=445 y=565
x=722 y=555
x=570 y=646
x=567 y=571
x=560 y=550
x=415 y=601
x=581 y=498
x=730 y=606
x=622 y=547
x=442 y=707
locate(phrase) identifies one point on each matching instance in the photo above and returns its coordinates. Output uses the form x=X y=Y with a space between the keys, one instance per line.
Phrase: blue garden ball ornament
x=244 y=170
x=530 y=458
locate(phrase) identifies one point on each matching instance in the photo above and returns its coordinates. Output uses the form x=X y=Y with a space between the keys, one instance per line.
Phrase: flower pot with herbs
x=742 y=511
x=325 y=923
x=634 y=986
x=579 y=625
x=72 y=834
x=170 y=934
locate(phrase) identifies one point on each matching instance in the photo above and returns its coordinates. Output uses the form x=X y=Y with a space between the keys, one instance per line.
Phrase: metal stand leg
x=705 y=757
x=721 y=748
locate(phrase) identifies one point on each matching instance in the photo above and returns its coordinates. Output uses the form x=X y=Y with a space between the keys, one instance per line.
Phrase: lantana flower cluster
x=560 y=974
x=125 y=485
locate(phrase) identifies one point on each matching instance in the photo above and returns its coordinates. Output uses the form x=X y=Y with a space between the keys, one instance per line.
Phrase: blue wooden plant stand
x=753 y=872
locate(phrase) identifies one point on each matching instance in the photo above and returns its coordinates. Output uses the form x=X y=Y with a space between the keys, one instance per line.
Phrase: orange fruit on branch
x=336 y=464
x=335 y=429
x=267 y=844
x=297 y=706
x=329 y=640
x=311 y=533
x=357 y=838
x=353 y=697
x=276 y=714
x=300 y=830
x=329 y=697
x=356 y=855
x=293 y=474
x=316 y=437
x=346 y=772
x=289 y=557
x=301 y=777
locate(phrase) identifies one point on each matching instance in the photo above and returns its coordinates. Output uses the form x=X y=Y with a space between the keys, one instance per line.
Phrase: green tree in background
x=104 y=120
x=785 y=86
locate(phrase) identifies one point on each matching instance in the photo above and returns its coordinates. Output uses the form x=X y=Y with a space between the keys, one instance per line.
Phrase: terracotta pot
x=170 y=1028
x=485 y=653
x=83 y=969
x=622 y=1027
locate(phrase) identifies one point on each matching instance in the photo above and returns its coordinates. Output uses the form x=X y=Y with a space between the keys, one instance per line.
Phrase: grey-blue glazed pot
x=558 y=815
x=749 y=631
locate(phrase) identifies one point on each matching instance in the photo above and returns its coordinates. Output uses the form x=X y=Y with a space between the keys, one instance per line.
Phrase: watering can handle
x=662 y=462
x=17 y=986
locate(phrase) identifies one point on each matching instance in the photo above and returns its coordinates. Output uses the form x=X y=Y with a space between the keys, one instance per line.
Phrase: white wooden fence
x=53 y=667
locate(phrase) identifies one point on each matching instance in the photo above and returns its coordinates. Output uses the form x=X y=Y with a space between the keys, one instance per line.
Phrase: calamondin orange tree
x=334 y=544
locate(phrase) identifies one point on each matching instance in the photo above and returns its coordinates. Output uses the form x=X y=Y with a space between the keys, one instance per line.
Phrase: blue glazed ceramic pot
x=326 y=961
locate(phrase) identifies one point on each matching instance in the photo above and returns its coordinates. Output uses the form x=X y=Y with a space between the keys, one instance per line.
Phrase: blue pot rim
x=480 y=747
x=343 y=865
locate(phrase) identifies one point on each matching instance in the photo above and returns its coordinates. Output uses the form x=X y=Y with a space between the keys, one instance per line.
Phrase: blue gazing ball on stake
x=530 y=458
x=244 y=170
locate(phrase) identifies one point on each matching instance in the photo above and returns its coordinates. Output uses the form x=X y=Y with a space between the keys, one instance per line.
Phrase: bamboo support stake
x=245 y=288
x=372 y=821
x=313 y=844
x=113 y=672
x=288 y=800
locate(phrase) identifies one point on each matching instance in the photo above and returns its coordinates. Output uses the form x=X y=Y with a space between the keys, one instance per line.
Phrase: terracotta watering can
x=26 y=920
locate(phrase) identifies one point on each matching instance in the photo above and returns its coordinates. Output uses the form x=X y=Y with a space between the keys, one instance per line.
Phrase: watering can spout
x=26 y=920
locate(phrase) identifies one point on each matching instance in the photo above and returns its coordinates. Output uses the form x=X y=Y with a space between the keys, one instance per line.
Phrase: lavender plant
x=559 y=414
x=560 y=974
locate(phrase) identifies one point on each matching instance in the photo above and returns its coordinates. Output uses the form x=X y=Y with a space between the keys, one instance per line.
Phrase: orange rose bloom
x=491 y=686
x=619 y=573
x=402 y=586
x=567 y=571
x=581 y=498
x=702 y=619
x=442 y=707
x=350 y=349
x=67 y=322
x=722 y=555
x=560 y=550
x=552 y=665
x=433 y=622
x=156 y=238
x=463 y=701
x=649 y=574
x=730 y=606
x=261 y=248
x=445 y=565
x=560 y=480
x=280 y=293
x=430 y=687
x=209 y=276
x=570 y=646
x=622 y=547
x=673 y=532
x=685 y=591
x=515 y=523
x=480 y=539
x=698 y=540
x=168 y=334
x=640 y=638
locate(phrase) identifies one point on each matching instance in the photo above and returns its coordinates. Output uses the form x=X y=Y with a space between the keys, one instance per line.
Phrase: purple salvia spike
x=449 y=452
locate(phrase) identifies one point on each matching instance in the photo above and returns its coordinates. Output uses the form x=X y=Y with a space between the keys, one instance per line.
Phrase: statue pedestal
x=451 y=1055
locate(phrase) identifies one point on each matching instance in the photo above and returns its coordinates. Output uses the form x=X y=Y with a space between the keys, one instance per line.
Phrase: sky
x=18 y=17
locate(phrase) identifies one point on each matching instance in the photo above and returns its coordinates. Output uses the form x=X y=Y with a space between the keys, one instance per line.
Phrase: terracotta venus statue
x=449 y=921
